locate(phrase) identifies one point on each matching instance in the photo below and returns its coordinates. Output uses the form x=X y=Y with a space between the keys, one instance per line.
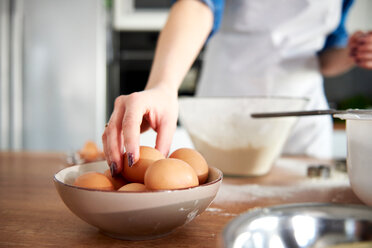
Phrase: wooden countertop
x=32 y=214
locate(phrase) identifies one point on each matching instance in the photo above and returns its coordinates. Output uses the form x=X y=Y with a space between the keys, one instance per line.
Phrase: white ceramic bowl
x=223 y=131
x=134 y=215
x=359 y=154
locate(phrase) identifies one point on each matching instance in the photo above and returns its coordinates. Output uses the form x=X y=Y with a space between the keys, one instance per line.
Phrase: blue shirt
x=338 y=38
x=217 y=7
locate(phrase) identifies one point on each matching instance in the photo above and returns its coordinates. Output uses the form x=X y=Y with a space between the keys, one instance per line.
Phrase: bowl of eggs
x=223 y=131
x=148 y=200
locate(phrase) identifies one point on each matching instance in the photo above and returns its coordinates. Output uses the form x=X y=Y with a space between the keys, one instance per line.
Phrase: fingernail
x=113 y=169
x=362 y=42
x=130 y=159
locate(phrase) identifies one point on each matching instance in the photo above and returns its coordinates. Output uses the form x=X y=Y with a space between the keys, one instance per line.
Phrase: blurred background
x=63 y=62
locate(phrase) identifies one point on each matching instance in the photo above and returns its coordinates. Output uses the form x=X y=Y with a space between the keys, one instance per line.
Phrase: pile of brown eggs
x=184 y=168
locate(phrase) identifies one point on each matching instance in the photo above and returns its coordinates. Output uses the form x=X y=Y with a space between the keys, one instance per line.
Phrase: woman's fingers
x=131 y=127
x=132 y=115
x=361 y=49
x=366 y=64
x=104 y=142
x=353 y=40
x=365 y=48
x=112 y=138
x=363 y=55
x=114 y=149
x=165 y=136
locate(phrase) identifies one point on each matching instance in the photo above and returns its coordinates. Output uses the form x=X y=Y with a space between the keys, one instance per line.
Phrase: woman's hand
x=335 y=61
x=155 y=108
x=360 y=45
x=186 y=30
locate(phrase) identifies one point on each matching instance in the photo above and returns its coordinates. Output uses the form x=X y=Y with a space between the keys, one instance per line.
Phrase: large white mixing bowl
x=359 y=154
x=222 y=129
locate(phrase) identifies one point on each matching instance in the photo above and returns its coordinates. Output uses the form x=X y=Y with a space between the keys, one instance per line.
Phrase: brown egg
x=133 y=187
x=195 y=160
x=136 y=173
x=90 y=152
x=170 y=173
x=118 y=181
x=94 y=180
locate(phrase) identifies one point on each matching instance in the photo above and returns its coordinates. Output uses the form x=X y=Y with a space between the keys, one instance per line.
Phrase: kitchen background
x=62 y=63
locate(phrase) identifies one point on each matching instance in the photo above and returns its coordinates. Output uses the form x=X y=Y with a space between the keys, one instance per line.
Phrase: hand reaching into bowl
x=360 y=45
x=135 y=113
x=186 y=30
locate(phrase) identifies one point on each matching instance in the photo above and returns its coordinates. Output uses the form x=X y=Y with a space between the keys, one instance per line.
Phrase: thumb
x=165 y=136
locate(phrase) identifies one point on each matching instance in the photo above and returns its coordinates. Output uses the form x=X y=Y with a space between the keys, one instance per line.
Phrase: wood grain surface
x=33 y=215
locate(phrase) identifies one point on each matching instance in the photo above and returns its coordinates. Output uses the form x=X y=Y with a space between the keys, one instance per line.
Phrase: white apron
x=268 y=47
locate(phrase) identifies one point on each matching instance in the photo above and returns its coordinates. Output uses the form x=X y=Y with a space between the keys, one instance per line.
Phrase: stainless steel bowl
x=301 y=225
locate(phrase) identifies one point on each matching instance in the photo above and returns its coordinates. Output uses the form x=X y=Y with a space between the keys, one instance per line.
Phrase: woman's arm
x=186 y=30
x=188 y=26
x=335 y=57
x=335 y=61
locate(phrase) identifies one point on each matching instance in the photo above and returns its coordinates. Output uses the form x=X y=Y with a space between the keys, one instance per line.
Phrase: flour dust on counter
x=303 y=187
x=219 y=212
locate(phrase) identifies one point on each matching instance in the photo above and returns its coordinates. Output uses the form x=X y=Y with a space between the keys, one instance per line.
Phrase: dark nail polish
x=113 y=169
x=130 y=159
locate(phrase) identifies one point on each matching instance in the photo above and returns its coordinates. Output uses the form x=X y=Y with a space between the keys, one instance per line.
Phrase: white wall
x=64 y=74
x=360 y=16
